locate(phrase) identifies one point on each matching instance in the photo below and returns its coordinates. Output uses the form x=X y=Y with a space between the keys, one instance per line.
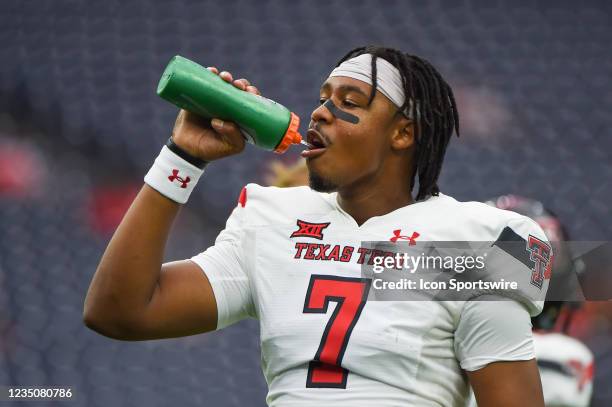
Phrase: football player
x=292 y=257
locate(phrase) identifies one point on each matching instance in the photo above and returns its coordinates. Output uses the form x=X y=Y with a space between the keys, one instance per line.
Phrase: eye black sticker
x=340 y=114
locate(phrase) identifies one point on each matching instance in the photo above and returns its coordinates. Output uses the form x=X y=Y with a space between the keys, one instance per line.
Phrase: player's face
x=356 y=137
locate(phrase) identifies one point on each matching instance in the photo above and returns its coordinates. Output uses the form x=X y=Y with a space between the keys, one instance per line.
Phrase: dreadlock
x=433 y=107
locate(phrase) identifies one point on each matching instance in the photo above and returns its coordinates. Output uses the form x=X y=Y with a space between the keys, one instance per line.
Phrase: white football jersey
x=292 y=258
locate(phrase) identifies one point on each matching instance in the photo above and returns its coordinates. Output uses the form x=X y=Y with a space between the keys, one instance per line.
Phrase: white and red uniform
x=566 y=369
x=292 y=258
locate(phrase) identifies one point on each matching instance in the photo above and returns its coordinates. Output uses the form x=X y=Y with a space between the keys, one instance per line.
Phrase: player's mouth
x=318 y=144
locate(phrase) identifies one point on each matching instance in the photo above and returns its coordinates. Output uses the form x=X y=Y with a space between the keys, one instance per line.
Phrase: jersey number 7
x=326 y=370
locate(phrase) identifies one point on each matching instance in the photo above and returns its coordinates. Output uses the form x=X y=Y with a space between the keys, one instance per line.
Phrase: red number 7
x=325 y=369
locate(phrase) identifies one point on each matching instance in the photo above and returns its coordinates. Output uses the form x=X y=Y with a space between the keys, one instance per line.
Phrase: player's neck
x=363 y=202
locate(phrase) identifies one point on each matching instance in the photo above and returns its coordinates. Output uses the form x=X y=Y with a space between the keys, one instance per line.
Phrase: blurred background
x=80 y=124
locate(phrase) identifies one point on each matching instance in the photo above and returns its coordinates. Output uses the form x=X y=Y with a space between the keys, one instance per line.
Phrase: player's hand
x=211 y=139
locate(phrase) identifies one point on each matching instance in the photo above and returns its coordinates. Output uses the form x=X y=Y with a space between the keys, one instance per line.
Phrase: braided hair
x=434 y=108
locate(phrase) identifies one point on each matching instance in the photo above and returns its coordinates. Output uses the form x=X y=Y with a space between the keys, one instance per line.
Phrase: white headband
x=388 y=78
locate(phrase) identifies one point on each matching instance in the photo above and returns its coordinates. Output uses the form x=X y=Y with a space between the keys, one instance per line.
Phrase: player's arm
x=508 y=384
x=494 y=345
x=133 y=296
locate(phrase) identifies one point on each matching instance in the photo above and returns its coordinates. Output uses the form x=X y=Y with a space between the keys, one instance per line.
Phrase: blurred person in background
x=566 y=368
x=285 y=175
x=384 y=122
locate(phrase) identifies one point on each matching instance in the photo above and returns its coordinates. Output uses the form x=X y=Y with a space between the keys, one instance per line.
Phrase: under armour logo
x=307 y=229
x=175 y=176
x=397 y=235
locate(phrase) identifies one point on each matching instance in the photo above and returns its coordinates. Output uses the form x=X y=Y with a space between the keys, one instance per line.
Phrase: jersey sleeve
x=226 y=267
x=520 y=253
x=491 y=331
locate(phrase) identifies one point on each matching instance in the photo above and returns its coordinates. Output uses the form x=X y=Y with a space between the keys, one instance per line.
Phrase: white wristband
x=172 y=176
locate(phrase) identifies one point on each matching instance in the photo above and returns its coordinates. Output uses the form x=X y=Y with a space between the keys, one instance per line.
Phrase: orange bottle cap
x=291 y=135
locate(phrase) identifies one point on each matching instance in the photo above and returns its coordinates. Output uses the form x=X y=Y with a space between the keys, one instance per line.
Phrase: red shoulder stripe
x=243 y=197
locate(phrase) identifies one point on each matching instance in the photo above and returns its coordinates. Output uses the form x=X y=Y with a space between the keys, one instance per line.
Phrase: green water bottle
x=263 y=122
